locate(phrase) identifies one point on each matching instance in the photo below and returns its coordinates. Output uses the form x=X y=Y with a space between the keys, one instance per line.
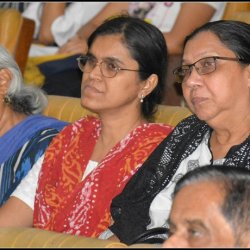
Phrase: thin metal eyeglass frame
x=175 y=71
x=99 y=64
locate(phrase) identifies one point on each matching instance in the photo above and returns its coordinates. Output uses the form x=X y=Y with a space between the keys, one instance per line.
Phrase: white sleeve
x=106 y=234
x=34 y=12
x=26 y=190
x=76 y=15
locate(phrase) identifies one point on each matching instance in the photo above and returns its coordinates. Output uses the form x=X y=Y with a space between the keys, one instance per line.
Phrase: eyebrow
x=196 y=222
x=111 y=59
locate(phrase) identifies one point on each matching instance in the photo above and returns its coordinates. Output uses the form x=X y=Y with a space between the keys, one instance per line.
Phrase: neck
x=222 y=140
x=9 y=119
x=115 y=130
x=112 y=132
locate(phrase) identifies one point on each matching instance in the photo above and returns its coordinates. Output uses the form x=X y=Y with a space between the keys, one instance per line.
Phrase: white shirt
x=64 y=26
x=161 y=205
x=164 y=14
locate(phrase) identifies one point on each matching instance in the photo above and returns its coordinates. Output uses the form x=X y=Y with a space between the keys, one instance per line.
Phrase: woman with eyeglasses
x=90 y=162
x=215 y=78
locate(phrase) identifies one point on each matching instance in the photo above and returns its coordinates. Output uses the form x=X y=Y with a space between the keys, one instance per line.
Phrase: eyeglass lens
x=203 y=66
x=87 y=64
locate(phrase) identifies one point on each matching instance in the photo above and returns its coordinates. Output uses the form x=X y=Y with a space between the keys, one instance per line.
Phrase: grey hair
x=235 y=185
x=23 y=98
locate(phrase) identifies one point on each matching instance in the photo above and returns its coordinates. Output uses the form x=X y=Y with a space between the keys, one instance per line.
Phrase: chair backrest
x=16 y=34
x=69 y=109
x=237 y=11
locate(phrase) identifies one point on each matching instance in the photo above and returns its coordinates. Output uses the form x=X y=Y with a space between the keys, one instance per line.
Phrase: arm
x=191 y=16
x=50 y=12
x=19 y=208
x=15 y=213
x=78 y=43
x=109 y=10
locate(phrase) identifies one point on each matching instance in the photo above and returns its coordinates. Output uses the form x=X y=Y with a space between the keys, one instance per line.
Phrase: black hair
x=147 y=46
x=234 y=34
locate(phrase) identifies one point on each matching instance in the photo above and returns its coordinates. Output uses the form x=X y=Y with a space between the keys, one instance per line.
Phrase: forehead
x=201 y=197
x=112 y=44
x=205 y=44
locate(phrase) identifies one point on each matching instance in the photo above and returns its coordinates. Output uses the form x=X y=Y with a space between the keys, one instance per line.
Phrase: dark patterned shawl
x=130 y=209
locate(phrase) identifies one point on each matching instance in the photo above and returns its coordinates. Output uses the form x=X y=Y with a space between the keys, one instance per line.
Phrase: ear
x=149 y=85
x=5 y=78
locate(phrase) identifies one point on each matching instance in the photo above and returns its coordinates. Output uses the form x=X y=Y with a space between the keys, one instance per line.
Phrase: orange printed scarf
x=66 y=203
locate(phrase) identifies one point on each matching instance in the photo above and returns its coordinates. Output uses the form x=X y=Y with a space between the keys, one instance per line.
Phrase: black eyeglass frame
x=117 y=69
x=178 y=69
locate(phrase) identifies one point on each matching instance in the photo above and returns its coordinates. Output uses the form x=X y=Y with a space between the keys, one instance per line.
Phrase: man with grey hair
x=211 y=208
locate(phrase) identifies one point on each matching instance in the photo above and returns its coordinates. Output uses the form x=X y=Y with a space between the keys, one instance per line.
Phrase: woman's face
x=102 y=94
x=221 y=94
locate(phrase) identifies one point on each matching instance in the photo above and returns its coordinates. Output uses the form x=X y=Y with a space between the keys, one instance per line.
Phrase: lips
x=198 y=100
x=91 y=89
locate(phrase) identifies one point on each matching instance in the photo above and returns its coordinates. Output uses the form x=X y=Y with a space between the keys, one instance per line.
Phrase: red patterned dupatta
x=66 y=203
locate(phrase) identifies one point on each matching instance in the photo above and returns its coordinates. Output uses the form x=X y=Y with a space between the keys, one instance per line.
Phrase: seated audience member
x=24 y=133
x=175 y=20
x=215 y=78
x=211 y=208
x=56 y=23
x=90 y=161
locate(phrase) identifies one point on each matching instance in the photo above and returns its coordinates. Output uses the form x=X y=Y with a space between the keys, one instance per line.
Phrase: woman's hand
x=75 y=45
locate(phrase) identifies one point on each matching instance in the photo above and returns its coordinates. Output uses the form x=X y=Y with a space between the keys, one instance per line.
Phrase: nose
x=96 y=71
x=194 y=79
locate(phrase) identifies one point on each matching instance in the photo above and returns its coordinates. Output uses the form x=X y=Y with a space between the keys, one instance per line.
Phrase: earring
x=7 y=99
x=141 y=99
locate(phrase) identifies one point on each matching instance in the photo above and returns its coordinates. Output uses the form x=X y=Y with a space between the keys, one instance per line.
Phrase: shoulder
x=42 y=121
x=160 y=127
x=191 y=124
x=44 y=135
x=37 y=144
x=190 y=120
x=86 y=122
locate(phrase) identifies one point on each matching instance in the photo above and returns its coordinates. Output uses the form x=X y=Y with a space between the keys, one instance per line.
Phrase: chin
x=91 y=106
x=202 y=115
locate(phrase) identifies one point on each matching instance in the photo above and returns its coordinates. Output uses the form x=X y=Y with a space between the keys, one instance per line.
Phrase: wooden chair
x=237 y=11
x=16 y=34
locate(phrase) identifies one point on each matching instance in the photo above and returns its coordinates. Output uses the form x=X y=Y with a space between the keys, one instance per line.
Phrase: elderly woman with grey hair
x=24 y=132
